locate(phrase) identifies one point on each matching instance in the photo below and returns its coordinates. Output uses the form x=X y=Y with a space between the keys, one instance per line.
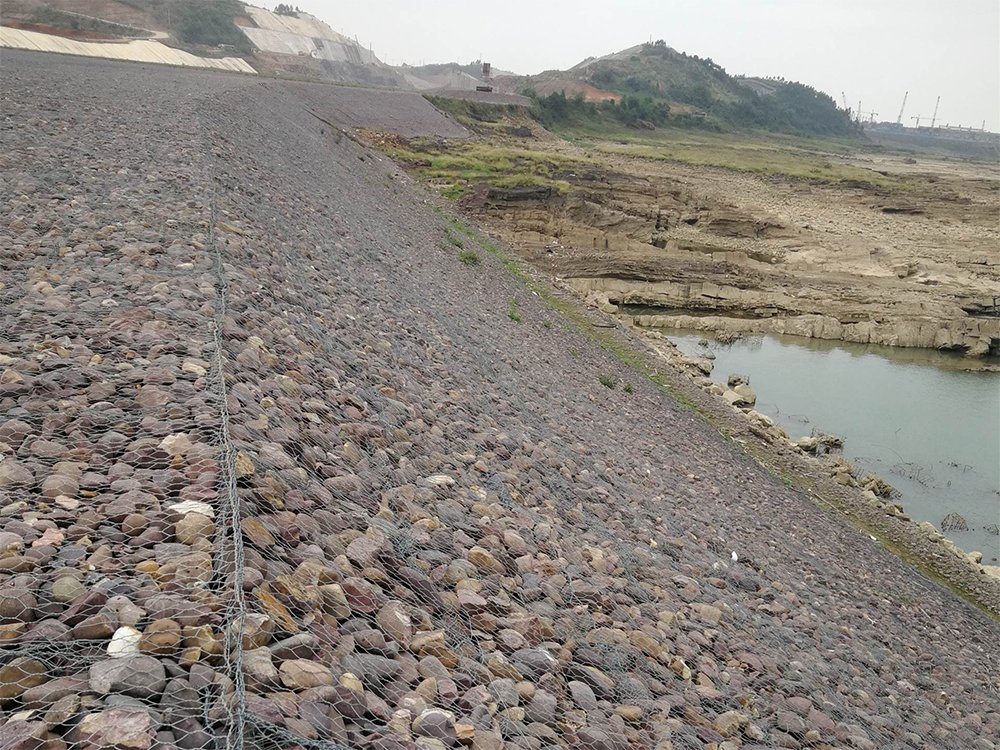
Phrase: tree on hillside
x=210 y=24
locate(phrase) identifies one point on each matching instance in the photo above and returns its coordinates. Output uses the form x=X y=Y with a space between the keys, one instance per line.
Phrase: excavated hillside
x=279 y=471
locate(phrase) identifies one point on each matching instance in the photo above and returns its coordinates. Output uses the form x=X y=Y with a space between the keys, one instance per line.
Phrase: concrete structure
x=139 y=50
x=304 y=35
x=451 y=78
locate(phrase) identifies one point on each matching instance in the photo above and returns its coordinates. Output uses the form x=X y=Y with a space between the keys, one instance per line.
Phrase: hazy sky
x=873 y=50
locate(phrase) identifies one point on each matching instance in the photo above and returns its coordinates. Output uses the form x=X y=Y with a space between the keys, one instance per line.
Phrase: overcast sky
x=874 y=50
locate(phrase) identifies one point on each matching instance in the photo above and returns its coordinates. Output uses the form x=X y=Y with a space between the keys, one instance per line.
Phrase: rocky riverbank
x=826 y=450
x=280 y=471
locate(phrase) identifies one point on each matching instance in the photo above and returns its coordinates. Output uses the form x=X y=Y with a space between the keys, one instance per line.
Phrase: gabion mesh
x=279 y=473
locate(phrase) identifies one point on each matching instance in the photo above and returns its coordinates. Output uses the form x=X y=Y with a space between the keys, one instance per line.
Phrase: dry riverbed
x=881 y=248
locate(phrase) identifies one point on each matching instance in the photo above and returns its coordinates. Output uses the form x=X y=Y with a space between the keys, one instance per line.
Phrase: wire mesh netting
x=279 y=472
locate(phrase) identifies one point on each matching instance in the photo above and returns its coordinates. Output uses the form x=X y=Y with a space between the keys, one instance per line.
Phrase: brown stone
x=484 y=560
x=277 y=611
x=124 y=728
x=257 y=534
x=300 y=674
x=19 y=674
x=161 y=637
x=194 y=527
x=395 y=622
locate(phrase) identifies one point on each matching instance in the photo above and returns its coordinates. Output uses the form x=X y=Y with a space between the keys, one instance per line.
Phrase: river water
x=917 y=418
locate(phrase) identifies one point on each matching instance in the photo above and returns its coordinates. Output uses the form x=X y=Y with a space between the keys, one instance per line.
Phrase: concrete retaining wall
x=288 y=43
x=141 y=50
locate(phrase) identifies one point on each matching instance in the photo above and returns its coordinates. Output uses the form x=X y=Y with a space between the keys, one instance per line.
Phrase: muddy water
x=915 y=417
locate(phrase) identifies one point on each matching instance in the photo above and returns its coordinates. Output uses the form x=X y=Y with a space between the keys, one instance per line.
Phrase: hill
x=702 y=92
x=283 y=42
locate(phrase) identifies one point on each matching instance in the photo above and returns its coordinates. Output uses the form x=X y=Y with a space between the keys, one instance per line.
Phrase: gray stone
x=504 y=692
x=583 y=696
x=139 y=676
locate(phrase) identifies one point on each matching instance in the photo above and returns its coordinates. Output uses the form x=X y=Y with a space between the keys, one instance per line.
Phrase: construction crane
x=871 y=116
x=936 y=105
x=917 y=118
x=899 y=120
x=858 y=117
x=843 y=98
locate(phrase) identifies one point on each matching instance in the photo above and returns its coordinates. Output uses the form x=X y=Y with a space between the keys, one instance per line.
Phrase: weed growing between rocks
x=469 y=257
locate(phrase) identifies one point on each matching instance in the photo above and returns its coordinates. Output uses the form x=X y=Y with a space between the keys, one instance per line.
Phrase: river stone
x=484 y=560
x=181 y=509
x=371 y=669
x=300 y=674
x=534 y=662
x=124 y=728
x=177 y=445
x=20 y=674
x=160 y=637
x=746 y=393
x=17 y=605
x=138 y=676
x=10 y=544
x=14 y=474
x=583 y=696
x=18 y=734
x=727 y=724
x=193 y=528
x=395 y=622
x=437 y=724
x=541 y=708
x=13 y=432
x=66 y=589
x=258 y=665
x=59 y=485
x=504 y=692
x=349 y=702
x=63 y=710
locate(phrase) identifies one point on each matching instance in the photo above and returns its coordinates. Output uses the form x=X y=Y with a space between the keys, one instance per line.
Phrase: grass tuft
x=512 y=312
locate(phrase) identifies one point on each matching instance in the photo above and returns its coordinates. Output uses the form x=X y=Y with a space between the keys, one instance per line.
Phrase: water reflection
x=927 y=422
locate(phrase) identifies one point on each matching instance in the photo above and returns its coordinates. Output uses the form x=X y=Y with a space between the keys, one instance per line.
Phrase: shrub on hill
x=210 y=24
x=656 y=73
x=559 y=109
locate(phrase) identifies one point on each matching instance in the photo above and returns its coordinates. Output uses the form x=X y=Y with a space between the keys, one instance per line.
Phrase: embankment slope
x=267 y=441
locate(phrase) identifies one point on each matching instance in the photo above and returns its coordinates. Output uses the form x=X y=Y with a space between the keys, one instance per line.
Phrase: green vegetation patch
x=730 y=102
x=748 y=154
x=211 y=24
x=512 y=311
x=469 y=257
x=457 y=167
x=207 y=24
x=50 y=16
x=631 y=111
x=481 y=117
